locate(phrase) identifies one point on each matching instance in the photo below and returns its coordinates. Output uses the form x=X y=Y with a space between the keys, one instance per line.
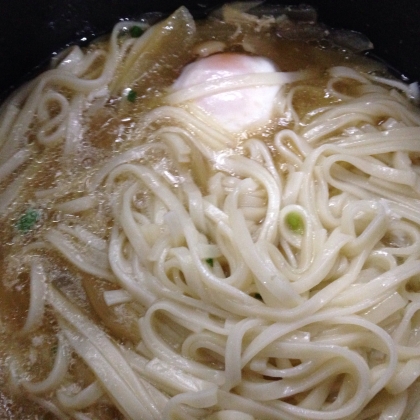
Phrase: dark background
x=31 y=30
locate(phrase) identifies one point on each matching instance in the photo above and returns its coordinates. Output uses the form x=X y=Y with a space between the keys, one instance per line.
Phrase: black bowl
x=32 y=30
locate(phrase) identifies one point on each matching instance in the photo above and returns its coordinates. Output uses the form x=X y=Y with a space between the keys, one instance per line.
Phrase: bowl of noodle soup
x=212 y=219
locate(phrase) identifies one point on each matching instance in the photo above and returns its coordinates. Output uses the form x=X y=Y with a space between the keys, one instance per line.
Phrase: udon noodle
x=158 y=265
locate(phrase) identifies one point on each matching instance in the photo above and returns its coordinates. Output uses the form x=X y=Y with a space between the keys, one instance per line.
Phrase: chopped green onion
x=27 y=221
x=295 y=223
x=136 y=31
x=132 y=95
x=209 y=261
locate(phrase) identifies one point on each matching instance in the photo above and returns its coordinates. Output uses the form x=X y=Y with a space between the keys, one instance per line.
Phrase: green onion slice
x=27 y=221
x=295 y=222
x=136 y=31
x=132 y=95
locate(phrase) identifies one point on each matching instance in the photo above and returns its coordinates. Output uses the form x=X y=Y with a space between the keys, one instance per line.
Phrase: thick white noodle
x=38 y=284
x=57 y=374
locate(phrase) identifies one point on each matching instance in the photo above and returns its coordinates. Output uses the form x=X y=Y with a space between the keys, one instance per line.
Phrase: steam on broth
x=162 y=258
